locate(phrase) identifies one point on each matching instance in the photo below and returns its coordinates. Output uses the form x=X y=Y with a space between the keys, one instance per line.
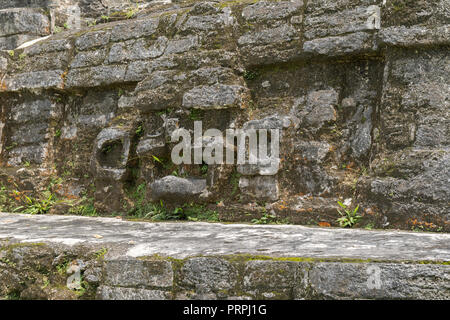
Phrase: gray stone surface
x=177 y=189
x=359 y=89
x=146 y=261
x=376 y=281
x=181 y=240
x=209 y=274
x=118 y=293
x=214 y=97
x=138 y=273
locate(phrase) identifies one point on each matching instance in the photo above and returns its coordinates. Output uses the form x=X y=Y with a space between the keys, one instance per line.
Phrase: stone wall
x=37 y=271
x=359 y=87
x=61 y=257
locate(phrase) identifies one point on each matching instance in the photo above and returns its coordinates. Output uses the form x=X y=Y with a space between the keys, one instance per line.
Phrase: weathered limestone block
x=119 y=293
x=139 y=70
x=182 y=45
x=138 y=273
x=314 y=151
x=33 y=154
x=94 y=110
x=373 y=281
x=28 y=126
x=319 y=108
x=260 y=187
x=268 y=11
x=15 y=21
x=213 y=97
x=403 y=36
x=92 y=39
x=422 y=91
x=151 y=146
x=342 y=22
x=32 y=111
x=209 y=274
x=22 y=4
x=284 y=33
x=261 y=276
x=89 y=58
x=35 y=80
x=95 y=76
x=14 y=41
x=266 y=165
x=210 y=75
x=49 y=45
x=314 y=179
x=136 y=50
x=405 y=13
x=354 y=43
x=177 y=189
x=361 y=141
x=135 y=29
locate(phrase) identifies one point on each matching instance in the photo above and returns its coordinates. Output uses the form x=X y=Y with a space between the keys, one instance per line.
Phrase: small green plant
x=62 y=267
x=58 y=133
x=130 y=13
x=11 y=53
x=204 y=169
x=234 y=181
x=265 y=219
x=84 y=207
x=196 y=114
x=250 y=75
x=143 y=209
x=197 y=212
x=37 y=206
x=369 y=226
x=26 y=164
x=105 y=18
x=22 y=56
x=348 y=217
x=107 y=148
x=139 y=131
x=66 y=26
x=46 y=283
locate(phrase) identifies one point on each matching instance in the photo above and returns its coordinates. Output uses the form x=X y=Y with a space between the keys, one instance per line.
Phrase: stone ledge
x=138 y=260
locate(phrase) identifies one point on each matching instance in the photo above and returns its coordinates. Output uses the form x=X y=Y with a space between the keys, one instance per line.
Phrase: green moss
x=13 y=246
x=243 y=258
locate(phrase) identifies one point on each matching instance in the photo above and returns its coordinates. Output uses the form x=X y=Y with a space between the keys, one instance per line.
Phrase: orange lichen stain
x=428 y=225
x=350 y=165
x=324 y=224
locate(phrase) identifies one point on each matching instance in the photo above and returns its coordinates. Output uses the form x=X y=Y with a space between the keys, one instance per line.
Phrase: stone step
x=42 y=256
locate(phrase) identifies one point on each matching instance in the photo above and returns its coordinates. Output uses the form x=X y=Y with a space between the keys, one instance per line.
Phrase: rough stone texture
x=359 y=89
x=177 y=189
x=120 y=260
x=182 y=240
